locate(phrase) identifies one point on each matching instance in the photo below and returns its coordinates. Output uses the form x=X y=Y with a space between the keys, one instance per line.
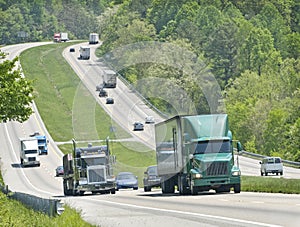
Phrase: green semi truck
x=196 y=153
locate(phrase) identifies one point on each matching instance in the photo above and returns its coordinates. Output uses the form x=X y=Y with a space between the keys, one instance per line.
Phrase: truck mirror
x=191 y=156
x=239 y=147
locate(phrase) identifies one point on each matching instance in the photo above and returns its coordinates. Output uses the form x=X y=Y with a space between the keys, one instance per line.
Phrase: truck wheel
x=194 y=190
x=66 y=191
x=237 y=188
x=266 y=173
x=168 y=186
x=281 y=173
x=147 y=189
x=113 y=191
x=261 y=173
x=183 y=186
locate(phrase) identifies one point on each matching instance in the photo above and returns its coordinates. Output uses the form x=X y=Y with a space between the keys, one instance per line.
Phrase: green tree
x=258 y=53
x=16 y=92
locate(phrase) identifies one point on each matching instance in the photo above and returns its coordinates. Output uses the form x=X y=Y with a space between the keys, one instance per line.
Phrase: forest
x=238 y=57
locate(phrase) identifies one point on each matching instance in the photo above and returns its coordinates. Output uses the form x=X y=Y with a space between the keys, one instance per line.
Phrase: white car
x=271 y=165
x=149 y=120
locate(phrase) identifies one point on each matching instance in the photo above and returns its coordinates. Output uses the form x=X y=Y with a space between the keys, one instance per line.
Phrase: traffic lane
x=244 y=209
x=251 y=167
x=127 y=109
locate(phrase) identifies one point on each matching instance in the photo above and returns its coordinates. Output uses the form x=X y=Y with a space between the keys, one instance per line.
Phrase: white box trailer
x=84 y=52
x=64 y=37
x=29 y=152
x=94 y=38
x=109 y=78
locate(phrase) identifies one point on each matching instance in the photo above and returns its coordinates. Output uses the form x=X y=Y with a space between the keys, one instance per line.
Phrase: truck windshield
x=95 y=161
x=30 y=151
x=219 y=146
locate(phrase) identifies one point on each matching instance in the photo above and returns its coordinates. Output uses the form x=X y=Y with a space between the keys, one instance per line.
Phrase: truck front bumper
x=215 y=182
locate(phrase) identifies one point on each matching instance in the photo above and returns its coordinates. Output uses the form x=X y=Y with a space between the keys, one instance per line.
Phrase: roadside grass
x=270 y=184
x=14 y=213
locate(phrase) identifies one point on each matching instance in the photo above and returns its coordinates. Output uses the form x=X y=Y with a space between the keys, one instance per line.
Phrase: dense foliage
x=251 y=48
x=27 y=21
x=16 y=92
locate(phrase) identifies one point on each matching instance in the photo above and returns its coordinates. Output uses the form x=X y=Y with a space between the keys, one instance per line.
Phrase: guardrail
x=296 y=164
x=51 y=207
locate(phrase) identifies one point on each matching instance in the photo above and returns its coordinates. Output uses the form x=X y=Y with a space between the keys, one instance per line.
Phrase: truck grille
x=216 y=168
x=96 y=175
x=31 y=159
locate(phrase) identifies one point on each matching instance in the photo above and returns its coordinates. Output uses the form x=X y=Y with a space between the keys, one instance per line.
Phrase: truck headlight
x=196 y=176
x=236 y=173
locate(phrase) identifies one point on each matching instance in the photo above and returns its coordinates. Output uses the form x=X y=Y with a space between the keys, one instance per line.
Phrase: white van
x=271 y=165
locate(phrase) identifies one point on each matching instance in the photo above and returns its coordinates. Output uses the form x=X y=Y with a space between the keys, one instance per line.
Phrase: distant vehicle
x=103 y=93
x=64 y=37
x=271 y=165
x=149 y=120
x=99 y=87
x=59 y=171
x=29 y=152
x=126 y=180
x=42 y=142
x=151 y=178
x=110 y=101
x=60 y=37
x=84 y=52
x=72 y=49
x=138 y=126
x=56 y=37
x=109 y=78
x=94 y=38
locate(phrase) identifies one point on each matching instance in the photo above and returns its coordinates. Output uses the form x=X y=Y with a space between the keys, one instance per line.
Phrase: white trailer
x=64 y=37
x=94 y=38
x=29 y=152
x=84 y=52
x=109 y=78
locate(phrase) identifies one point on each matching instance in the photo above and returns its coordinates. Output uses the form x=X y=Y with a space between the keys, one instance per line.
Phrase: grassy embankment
x=14 y=213
x=56 y=86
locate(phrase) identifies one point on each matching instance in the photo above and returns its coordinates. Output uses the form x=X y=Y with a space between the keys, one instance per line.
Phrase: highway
x=137 y=208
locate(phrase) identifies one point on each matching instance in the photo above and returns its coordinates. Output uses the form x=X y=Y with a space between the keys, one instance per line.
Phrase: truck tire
x=194 y=190
x=113 y=191
x=147 y=189
x=183 y=186
x=237 y=188
x=66 y=191
x=168 y=186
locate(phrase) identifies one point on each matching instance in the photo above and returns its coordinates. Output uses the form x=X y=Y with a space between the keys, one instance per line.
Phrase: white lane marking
x=258 y=202
x=189 y=213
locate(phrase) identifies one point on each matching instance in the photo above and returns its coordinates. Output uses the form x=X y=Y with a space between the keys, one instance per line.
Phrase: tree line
x=250 y=47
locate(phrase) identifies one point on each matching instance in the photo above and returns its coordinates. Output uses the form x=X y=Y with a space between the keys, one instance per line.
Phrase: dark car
x=72 y=49
x=110 y=101
x=138 y=126
x=151 y=178
x=103 y=93
x=59 y=171
x=126 y=180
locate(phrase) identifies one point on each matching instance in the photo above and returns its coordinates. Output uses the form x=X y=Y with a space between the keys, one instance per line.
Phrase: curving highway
x=137 y=208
